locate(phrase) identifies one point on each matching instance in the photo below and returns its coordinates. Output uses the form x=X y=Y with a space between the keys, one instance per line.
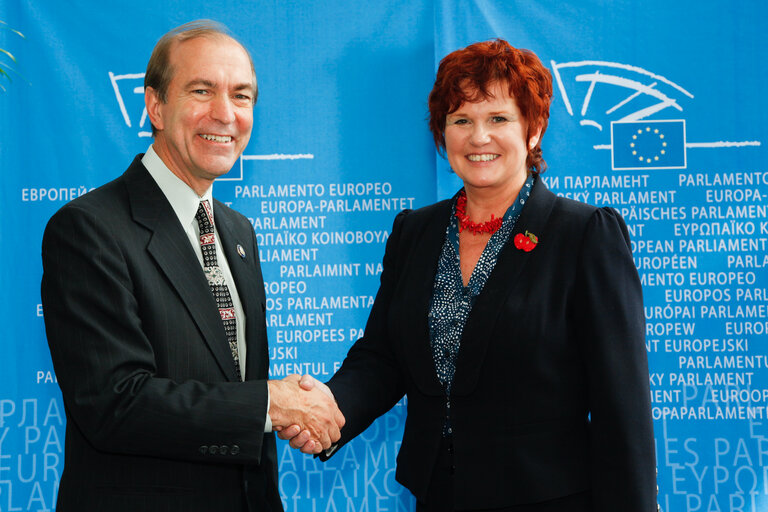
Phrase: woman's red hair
x=467 y=75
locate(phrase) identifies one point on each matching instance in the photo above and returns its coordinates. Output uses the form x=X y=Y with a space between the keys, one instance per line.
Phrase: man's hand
x=307 y=415
x=309 y=383
x=301 y=439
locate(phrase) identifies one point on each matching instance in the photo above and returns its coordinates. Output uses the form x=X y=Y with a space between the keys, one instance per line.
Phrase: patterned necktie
x=215 y=276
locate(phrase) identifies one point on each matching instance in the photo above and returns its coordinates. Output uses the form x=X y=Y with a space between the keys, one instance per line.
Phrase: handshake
x=303 y=410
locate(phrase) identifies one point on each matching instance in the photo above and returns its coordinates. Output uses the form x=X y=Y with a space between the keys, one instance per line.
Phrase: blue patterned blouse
x=451 y=300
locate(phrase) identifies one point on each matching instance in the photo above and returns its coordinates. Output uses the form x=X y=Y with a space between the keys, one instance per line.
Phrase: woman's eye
x=499 y=119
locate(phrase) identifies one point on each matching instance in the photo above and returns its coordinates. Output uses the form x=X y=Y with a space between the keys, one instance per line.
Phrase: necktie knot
x=204 y=217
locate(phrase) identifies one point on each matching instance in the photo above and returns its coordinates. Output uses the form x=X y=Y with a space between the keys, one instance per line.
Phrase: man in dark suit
x=154 y=310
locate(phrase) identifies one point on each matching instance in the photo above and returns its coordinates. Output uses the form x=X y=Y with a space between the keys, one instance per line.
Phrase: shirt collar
x=183 y=199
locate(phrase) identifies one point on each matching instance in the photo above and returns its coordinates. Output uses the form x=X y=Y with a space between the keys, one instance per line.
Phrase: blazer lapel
x=170 y=248
x=242 y=263
x=238 y=259
x=422 y=260
x=502 y=281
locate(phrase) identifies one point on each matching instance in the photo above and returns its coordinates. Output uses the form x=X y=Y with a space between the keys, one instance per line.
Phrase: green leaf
x=8 y=54
x=4 y=67
x=11 y=29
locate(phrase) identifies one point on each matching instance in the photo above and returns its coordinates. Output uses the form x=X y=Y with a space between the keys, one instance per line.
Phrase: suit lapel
x=508 y=271
x=422 y=260
x=242 y=272
x=242 y=262
x=171 y=250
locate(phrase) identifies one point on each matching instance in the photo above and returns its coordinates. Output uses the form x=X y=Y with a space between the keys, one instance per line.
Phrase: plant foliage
x=5 y=67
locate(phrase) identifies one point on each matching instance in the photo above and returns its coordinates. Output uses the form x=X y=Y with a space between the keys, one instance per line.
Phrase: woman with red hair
x=510 y=317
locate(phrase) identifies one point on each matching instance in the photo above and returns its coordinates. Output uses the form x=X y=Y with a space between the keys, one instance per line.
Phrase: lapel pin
x=526 y=242
x=241 y=251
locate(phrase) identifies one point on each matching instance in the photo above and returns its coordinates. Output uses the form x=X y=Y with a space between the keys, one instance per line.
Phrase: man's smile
x=216 y=138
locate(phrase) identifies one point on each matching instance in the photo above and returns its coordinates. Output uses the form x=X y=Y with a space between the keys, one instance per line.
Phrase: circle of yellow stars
x=644 y=158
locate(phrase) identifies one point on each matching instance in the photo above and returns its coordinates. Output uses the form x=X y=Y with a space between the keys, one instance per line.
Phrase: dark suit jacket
x=556 y=335
x=155 y=418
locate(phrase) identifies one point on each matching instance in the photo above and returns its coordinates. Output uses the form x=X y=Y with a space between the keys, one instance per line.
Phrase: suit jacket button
x=235 y=449
x=213 y=449
x=223 y=449
x=203 y=449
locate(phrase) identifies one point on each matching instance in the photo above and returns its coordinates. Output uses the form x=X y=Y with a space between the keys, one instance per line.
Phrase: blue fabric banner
x=658 y=112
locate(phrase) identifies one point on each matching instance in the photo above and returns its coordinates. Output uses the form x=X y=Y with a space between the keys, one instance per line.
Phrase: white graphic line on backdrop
x=605 y=73
x=588 y=122
x=557 y=67
x=114 y=78
x=627 y=100
x=718 y=144
x=138 y=90
x=273 y=156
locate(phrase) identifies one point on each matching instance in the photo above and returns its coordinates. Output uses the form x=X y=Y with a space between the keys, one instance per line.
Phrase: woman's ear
x=535 y=136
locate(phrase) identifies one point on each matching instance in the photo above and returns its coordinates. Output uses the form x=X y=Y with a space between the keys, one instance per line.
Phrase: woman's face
x=485 y=142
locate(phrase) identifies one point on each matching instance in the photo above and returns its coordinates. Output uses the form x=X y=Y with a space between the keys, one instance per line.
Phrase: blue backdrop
x=658 y=111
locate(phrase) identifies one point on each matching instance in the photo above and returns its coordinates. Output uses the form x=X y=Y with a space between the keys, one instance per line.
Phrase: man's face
x=206 y=122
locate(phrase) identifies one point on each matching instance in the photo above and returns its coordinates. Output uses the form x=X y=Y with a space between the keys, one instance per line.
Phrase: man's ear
x=153 y=103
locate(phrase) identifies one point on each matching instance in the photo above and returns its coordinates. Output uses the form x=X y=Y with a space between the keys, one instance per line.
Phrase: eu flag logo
x=648 y=145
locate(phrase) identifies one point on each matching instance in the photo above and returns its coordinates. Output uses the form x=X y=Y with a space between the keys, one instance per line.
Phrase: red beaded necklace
x=476 y=228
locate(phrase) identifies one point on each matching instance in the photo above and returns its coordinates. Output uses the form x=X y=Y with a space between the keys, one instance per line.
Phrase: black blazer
x=156 y=420
x=556 y=336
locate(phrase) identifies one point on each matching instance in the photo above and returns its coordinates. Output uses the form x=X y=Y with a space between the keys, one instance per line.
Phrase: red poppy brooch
x=526 y=242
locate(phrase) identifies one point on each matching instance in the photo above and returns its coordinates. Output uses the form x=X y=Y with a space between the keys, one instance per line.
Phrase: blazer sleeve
x=370 y=380
x=612 y=327
x=106 y=365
